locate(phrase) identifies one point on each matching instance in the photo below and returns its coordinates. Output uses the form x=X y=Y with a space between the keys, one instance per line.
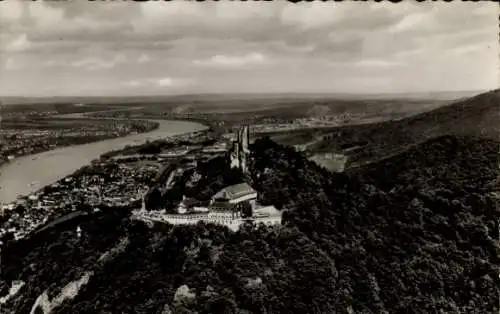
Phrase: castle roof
x=234 y=191
x=222 y=207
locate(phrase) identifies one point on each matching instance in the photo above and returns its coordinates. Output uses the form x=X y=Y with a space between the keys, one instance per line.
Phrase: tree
x=153 y=199
x=20 y=209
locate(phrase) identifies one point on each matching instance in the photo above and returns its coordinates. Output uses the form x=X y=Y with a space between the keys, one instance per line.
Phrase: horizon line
x=249 y=93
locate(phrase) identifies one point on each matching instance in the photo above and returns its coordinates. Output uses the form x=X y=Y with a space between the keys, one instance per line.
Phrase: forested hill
x=463 y=163
x=414 y=242
x=476 y=116
x=414 y=233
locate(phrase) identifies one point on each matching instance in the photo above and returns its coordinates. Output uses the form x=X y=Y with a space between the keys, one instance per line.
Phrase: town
x=316 y=117
x=122 y=179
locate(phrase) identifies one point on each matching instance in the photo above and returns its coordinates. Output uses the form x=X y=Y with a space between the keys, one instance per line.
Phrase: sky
x=83 y=48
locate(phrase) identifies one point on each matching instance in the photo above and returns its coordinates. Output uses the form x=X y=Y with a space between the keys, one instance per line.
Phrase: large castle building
x=226 y=208
x=229 y=201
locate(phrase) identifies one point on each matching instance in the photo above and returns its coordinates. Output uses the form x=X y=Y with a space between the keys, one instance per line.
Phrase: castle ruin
x=240 y=152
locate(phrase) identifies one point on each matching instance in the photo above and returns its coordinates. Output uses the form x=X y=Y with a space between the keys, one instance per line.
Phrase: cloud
x=54 y=63
x=429 y=20
x=312 y=17
x=93 y=64
x=322 y=28
x=11 y=64
x=19 y=44
x=133 y=83
x=45 y=17
x=11 y=11
x=143 y=58
x=166 y=81
x=366 y=65
x=274 y=42
x=373 y=63
x=410 y=22
x=158 y=82
x=232 y=61
x=468 y=50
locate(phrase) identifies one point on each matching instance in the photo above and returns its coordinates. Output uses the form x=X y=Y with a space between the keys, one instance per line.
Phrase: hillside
x=422 y=239
x=477 y=116
x=464 y=163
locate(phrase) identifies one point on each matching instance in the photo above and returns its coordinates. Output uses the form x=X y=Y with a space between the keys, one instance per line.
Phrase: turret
x=240 y=151
x=245 y=139
x=143 y=204
x=235 y=155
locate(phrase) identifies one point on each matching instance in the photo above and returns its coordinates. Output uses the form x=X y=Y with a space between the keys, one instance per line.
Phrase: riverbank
x=55 y=142
x=28 y=174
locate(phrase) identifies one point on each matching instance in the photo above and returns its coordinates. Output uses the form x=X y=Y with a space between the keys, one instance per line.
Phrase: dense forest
x=414 y=233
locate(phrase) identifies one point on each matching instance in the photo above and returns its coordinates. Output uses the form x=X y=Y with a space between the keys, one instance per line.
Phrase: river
x=28 y=174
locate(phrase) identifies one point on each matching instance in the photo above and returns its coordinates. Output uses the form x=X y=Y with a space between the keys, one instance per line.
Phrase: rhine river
x=28 y=174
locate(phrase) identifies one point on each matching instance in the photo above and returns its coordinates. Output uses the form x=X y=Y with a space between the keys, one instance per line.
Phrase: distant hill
x=230 y=97
x=477 y=116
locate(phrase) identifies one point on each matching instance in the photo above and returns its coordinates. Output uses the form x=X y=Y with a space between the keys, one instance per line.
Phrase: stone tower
x=235 y=155
x=245 y=139
x=143 y=204
x=240 y=151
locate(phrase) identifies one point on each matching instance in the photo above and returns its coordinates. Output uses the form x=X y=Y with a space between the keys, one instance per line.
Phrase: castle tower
x=240 y=151
x=245 y=139
x=240 y=136
x=243 y=163
x=143 y=204
x=235 y=155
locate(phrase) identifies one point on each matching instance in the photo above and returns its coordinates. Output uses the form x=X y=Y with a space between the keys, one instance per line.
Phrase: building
x=235 y=194
x=174 y=153
x=230 y=202
x=232 y=206
x=190 y=205
x=225 y=208
x=218 y=147
x=244 y=139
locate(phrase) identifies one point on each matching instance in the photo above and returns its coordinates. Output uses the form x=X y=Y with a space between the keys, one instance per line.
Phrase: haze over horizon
x=170 y=48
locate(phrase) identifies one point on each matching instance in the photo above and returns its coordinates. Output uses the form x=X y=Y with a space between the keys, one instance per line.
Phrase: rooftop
x=221 y=206
x=235 y=191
